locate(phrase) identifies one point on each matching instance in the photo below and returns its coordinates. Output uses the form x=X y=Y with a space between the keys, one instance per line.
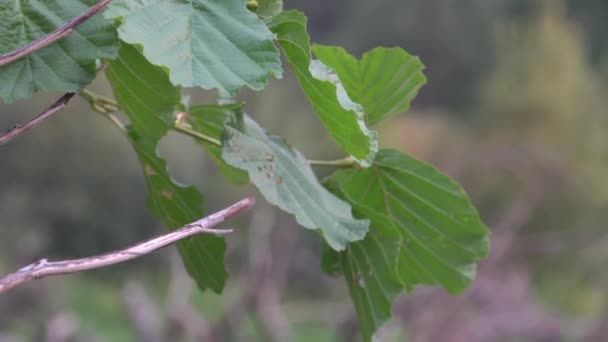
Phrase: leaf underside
x=212 y=44
x=286 y=180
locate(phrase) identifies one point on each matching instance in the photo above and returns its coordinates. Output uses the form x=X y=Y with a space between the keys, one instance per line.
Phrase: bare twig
x=47 y=113
x=61 y=32
x=44 y=268
x=38 y=119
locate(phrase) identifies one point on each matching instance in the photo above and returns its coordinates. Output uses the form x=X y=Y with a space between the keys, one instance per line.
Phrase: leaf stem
x=198 y=135
x=344 y=162
x=103 y=106
x=117 y=122
x=99 y=103
x=106 y=106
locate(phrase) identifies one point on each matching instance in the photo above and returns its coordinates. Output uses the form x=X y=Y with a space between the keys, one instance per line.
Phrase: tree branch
x=56 y=107
x=22 y=128
x=61 y=32
x=44 y=268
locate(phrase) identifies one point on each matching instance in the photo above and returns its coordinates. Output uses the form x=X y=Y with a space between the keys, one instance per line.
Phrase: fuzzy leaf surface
x=286 y=180
x=212 y=44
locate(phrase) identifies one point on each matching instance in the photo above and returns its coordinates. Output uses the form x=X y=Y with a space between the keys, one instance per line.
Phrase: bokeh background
x=515 y=110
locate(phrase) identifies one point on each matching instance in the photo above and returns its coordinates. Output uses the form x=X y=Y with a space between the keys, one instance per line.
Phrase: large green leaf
x=424 y=230
x=67 y=65
x=343 y=118
x=384 y=81
x=176 y=206
x=209 y=120
x=285 y=178
x=149 y=100
x=206 y=43
x=143 y=92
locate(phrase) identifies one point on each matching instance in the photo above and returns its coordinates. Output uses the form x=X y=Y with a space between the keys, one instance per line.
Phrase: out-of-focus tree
x=545 y=95
x=543 y=91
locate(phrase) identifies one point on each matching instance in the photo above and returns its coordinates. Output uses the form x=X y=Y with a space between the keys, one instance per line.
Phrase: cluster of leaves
x=390 y=222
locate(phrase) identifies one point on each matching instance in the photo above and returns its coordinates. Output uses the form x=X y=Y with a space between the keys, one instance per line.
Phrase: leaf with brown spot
x=285 y=178
x=175 y=206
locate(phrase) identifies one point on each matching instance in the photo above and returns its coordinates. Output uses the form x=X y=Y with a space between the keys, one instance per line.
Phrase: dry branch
x=61 y=32
x=38 y=119
x=44 y=268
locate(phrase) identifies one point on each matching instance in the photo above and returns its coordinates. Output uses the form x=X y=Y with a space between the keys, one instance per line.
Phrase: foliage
x=390 y=221
x=67 y=65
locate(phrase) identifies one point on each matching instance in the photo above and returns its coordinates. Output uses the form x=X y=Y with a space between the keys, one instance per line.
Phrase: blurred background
x=514 y=109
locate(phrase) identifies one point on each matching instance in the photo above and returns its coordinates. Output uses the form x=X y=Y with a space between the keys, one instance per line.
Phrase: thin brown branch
x=44 y=268
x=61 y=32
x=38 y=119
x=56 y=107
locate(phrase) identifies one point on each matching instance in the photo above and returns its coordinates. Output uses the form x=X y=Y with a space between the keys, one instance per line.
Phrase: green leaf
x=143 y=91
x=269 y=8
x=176 y=206
x=424 y=230
x=368 y=268
x=343 y=118
x=209 y=120
x=285 y=178
x=146 y=96
x=384 y=81
x=204 y=43
x=67 y=65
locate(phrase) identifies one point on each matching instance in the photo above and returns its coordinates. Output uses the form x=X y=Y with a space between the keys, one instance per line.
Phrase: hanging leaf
x=143 y=92
x=149 y=100
x=175 y=206
x=343 y=118
x=68 y=64
x=383 y=82
x=286 y=180
x=424 y=230
x=205 y=43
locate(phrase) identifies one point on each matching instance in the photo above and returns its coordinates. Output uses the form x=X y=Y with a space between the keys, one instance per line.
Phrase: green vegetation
x=513 y=110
